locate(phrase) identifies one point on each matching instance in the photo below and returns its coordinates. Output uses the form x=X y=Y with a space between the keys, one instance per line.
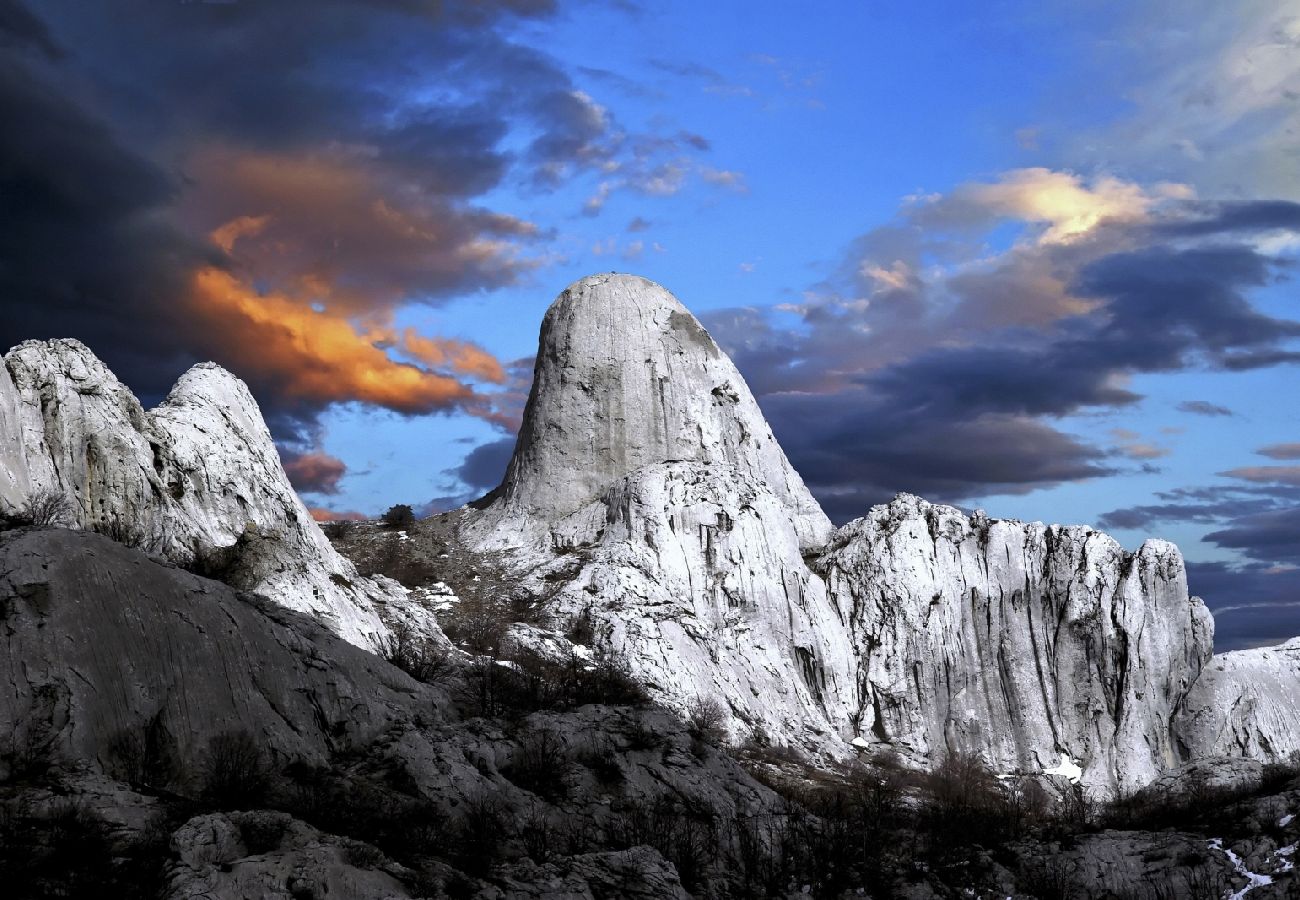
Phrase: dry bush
x=399 y=516
x=235 y=772
x=338 y=529
x=706 y=719
x=151 y=538
x=46 y=508
x=418 y=656
x=540 y=764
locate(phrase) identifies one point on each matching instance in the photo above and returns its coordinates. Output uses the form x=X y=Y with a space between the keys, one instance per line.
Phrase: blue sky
x=1036 y=258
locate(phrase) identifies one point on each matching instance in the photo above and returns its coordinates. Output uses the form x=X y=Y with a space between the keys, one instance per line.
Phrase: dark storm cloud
x=1269 y=536
x=1266 y=215
x=1203 y=408
x=1253 y=605
x=269 y=183
x=85 y=250
x=485 y=465
x=19 y=28
x=953 y=408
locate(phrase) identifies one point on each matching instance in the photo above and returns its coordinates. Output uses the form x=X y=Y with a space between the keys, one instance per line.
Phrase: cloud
x=1253 y=605
x=315 y=472
x=322 y=514
x=484 y=467
x=1266 y=475
x=1280 y=451
x=937 y=364
x=1203 y=408
x=272 y=185
x=1269 y=536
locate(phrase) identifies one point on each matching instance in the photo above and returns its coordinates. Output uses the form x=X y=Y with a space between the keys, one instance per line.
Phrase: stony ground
x=172 y=737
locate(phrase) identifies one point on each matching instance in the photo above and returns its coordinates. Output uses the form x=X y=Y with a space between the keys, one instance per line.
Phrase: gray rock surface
x=196 y=480
x=1246 y=703
x=1026 y=643
x=626 y=377
x=101 y=642
x=646 y=496
x=294 y=861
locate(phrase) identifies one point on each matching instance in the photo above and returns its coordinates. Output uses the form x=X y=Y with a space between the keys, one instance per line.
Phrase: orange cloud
x=329 y=515
x=314 y=472
x=314 y=356
x=461 y=356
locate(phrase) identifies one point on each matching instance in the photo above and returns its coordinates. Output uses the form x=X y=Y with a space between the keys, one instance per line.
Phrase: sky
x=1036 y=258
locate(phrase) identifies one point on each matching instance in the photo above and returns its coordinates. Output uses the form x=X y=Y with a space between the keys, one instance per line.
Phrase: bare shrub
x=540 y=764
x=235 y=772
x=144 y=757
x=338 y=529
x=963 y=804
x=46 y=508
x=151 y=538
x=706 y=719
x=477 y=624
x=416 y=655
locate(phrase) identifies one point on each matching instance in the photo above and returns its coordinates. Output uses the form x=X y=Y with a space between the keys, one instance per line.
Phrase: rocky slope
x=647 y=497
x=196 y=480
x=125 y=683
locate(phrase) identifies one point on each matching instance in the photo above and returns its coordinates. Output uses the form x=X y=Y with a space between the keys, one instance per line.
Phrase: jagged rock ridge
x=647 y=486
x=196 y=480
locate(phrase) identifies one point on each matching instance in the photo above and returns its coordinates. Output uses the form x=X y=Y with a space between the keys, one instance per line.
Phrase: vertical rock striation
x=625 y=378
x=1246 y=703
x=196 y=480
x=647 y=496
x=1026 y=643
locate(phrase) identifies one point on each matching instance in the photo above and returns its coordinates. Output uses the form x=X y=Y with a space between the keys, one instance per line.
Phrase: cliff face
x=1246 y=703
x=647 y=496
x=196 y=480
x=1035 y=645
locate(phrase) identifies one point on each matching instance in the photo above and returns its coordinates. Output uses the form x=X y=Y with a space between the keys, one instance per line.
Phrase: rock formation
x=647 y=496
x=1023 y=642
x=627 y=378
x=1246 y=703
x=196 y=480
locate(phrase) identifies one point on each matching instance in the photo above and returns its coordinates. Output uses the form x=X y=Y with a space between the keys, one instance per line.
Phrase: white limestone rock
x=1022 y=642
x=648 y=494
x=196 y=480
x=1246 y=704
x=626 y=378
x=693 y=574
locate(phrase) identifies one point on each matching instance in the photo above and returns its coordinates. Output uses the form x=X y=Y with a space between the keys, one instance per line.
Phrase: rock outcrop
x=647 y=496
x=102 y=642
x=1029 y=644
x=1246 y=703
x=196 y=480
x=627 y=378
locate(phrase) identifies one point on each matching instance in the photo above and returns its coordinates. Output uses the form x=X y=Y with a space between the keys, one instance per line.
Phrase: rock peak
x=626 y=377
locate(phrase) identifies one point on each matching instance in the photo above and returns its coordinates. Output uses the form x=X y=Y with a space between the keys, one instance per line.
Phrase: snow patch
x=1069 y=768
x=1253 y=879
